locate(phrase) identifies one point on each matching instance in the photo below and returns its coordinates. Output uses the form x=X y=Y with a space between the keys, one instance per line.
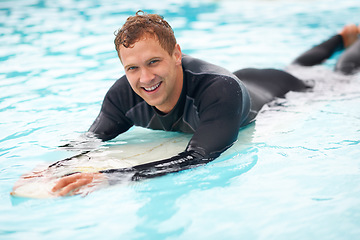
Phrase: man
x=165 y=89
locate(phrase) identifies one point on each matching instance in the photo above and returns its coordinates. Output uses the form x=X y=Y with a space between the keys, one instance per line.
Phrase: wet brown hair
x=142 y=25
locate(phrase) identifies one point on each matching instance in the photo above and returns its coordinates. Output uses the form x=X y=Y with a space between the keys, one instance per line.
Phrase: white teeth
x=152 y=88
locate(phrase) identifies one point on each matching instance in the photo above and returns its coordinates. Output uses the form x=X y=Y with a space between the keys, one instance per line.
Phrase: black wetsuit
x=348 y=62
x=214 y=105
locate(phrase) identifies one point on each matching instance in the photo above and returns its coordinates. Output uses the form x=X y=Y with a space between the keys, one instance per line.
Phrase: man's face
x=153 y=74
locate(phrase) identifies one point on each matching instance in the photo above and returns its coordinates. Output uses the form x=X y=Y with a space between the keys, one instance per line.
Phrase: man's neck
x=166 y=108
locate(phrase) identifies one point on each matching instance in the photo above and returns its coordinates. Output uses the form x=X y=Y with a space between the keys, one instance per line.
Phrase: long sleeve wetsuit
x=348 y=62
x=214 y=105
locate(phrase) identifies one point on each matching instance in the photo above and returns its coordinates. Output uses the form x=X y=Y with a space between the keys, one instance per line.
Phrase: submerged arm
x=71 y=184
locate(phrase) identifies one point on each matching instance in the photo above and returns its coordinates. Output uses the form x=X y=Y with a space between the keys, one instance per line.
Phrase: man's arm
x=105 y=128
x=72 y=184
x=111 y=120
x=223 y=109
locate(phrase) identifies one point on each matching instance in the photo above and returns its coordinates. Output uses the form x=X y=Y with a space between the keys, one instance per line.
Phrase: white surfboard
x=137 y=147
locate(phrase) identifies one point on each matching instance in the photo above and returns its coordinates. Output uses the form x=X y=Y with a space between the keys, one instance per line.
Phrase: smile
x=152 y=88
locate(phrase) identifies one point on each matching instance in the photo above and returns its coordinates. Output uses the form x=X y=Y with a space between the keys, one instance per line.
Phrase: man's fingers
x=65 y=181
x=73 y=186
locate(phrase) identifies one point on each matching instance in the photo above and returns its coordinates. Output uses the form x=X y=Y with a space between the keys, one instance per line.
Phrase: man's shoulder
x=203 y=77
x=197 y=66
x=120 y=84
x=122 y=95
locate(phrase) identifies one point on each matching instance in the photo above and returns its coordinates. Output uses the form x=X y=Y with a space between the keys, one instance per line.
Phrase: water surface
x=296 y=171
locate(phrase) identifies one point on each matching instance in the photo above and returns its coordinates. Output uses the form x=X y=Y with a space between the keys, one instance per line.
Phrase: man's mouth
x=152 y=88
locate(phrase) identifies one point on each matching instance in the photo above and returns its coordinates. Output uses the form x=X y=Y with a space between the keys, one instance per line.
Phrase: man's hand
x=70 y=185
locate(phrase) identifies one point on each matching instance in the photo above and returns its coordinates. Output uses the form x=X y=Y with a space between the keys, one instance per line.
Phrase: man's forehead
x=144 y=37
x=148 y=45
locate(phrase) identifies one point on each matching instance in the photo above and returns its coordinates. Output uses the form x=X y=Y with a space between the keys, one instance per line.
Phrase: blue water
x=295 y=174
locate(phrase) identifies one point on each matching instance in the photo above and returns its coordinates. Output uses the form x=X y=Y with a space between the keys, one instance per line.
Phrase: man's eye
x=153 y=61
x=131 y=68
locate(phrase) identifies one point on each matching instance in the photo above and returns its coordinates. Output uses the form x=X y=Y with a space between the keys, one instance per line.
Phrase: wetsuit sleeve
x=180 y=162
x=106 y=128
x=111 y=120
x=321 y=52
x=349 y=61
x=223 y=108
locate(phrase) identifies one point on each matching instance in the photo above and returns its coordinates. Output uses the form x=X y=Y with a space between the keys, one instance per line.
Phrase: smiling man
x=154 y=74
x=164 y=89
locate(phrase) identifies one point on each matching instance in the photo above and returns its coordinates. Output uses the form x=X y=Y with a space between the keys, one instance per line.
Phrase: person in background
x=349 y=61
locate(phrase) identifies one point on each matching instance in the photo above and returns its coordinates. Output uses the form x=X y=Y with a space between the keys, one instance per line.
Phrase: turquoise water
x=296 y=173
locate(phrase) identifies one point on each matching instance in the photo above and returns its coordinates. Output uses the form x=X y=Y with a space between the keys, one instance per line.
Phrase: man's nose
x=146 y=76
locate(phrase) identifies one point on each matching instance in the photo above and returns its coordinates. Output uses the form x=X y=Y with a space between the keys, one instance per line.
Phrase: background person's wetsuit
x=348 y=62
x=214 y=105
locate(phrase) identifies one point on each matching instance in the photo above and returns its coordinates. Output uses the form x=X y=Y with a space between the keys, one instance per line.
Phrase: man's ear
x=177 y=54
